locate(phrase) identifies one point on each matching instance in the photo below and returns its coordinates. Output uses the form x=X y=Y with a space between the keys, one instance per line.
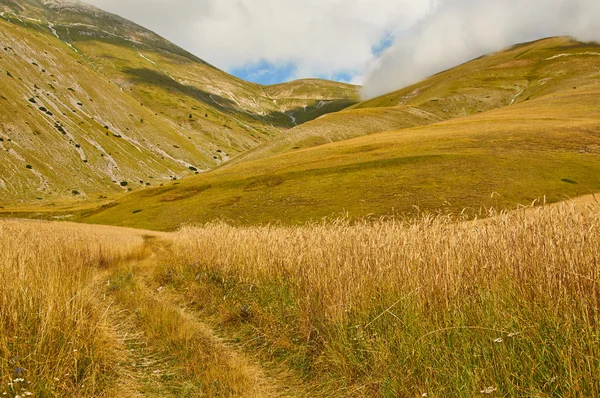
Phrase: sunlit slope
x=521 y=73
x=66 y=130
x=306 y=99
x=113 y=45
x=93 y=105
x=549 y=146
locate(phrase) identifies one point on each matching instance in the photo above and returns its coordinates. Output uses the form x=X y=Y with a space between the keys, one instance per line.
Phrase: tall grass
x=53 y=336
x=507 y=306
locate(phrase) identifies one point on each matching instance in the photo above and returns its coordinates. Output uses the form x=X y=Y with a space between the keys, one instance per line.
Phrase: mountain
x=94 y=105
x=520 y=73
x=502 y=130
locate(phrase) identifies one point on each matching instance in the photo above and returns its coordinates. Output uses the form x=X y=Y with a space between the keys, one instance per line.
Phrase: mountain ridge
x=95 y=109
x=538 y=143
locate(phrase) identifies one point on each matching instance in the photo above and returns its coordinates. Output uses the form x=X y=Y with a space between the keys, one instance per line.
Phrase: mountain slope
x=520 y=73
x=93 y=104
x=546 y=145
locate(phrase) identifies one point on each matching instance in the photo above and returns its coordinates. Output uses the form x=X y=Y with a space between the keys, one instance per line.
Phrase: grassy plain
x=80 y=316
x=502 y=130
x=508 y=306
x=503 y=158
x=53 y=329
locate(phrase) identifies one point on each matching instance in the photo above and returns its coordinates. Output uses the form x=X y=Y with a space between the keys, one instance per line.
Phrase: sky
x=381 y=44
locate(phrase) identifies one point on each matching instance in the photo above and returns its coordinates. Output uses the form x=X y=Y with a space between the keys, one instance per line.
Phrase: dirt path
x=167 y=350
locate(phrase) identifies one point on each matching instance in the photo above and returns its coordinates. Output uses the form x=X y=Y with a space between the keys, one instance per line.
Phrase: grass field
x=55 y=339
x=440 y=306
x=411 y=245
x=80 y=319
x=529 y=131
x=506 y=157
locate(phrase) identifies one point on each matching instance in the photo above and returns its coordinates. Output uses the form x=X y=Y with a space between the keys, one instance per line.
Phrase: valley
x=170 y=230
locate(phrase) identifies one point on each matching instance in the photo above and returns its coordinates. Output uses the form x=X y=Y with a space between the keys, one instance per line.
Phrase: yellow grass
x=508 y=305
x=80 y=316
x=53 y=333
x=438 y=306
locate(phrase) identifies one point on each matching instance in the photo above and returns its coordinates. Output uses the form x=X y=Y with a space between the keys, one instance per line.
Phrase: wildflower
x=424 y=395
x=498 y=340
x=489 y=390
x=27 y=393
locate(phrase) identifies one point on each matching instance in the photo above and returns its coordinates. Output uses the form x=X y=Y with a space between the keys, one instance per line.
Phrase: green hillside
x=94 y=105
x=545 y=144
x=520 y=73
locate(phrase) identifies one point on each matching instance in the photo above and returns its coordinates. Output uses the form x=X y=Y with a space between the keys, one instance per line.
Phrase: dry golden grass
x=82 y=315
x=176 y=354
x=508 y=305
x=54 y=340
x=439 y=306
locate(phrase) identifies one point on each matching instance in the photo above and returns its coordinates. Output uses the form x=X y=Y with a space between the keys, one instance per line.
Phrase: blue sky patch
x=385 y=43
x=264 y=72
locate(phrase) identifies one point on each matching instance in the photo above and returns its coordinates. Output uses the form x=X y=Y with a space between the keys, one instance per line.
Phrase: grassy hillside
x=297 y=98
x=543 y=146
x=521 y=73
x=91 y=102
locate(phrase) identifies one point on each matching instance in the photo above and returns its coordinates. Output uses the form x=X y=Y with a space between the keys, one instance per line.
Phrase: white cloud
x=320 y=37
x=338 y=37
x=456 y=31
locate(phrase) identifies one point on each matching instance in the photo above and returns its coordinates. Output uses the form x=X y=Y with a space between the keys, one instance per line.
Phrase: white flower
x=498 y=340
x=424 y=395
x=489 y=390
